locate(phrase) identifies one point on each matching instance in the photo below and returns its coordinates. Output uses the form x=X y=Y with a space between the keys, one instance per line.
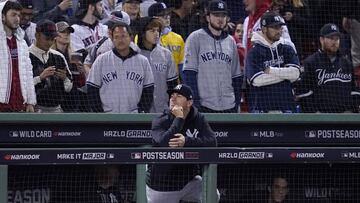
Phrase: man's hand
x=30 y=108
x=178 y=141
x=61 y=73
x=65 y=4
x=49 y=71
x=177 y=111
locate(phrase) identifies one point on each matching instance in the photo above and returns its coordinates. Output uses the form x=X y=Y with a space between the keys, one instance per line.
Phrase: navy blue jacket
x=277 y=95
x=197 y=132
x=327 y=87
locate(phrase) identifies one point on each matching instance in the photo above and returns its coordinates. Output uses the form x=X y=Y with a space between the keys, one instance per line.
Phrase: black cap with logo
x=329 y=30
x=217 y=6
x=271 y=19
x=182 y=89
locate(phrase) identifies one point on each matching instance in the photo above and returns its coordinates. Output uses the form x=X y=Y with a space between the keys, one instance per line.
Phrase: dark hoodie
x=164 y=177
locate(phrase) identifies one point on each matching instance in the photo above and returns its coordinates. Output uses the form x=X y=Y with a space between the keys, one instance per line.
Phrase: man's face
x=217 y=21
x=152 y=35
x=12 y=19
x=273 y=33
x=331 y=44
x=179 y=100
x=26 y=16
x=121 y=38
x=250 y=5
x=44 y=42
x=132 y=8
x=279 y=190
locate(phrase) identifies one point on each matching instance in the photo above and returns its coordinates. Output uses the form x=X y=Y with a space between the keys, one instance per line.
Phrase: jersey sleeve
x=291 y=57
x=180 y=59
x=94 y=77
x=253 y=66
x=235 y=65
x=172 y=74
x=191 y=53
x=149 y=77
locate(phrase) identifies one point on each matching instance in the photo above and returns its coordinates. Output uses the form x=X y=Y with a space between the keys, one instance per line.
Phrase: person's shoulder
x=197 y=34
x=163 y=50
x=56 y=53
x=105 y=56
x=162 y=118
x=313 y=58
x=139 y=57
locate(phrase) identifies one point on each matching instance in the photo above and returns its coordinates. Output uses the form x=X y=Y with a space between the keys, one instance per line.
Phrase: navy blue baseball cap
x=217 y=6
x=271 y=19
x=182 y=89
x=158 y=9
x=329 y=30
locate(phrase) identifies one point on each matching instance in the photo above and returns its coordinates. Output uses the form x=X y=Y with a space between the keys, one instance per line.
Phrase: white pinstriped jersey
x=121 y=82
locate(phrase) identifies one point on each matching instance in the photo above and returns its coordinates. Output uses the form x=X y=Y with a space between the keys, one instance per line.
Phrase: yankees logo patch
x=221 y=5
x=192 y=134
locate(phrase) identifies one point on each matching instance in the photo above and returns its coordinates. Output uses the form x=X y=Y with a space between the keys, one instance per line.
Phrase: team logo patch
x=221 y=5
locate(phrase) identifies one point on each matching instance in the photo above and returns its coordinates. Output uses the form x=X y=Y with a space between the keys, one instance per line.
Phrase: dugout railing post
x=209 y=191
x=141 y=183
x=3 y=183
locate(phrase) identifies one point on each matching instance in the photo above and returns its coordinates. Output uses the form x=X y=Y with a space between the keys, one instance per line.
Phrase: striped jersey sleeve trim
x=236 y=76
x=149 y=85
x=256 y=75
x=306 y=94
x=172 y=78
x=190 y=69
x=355 y=93
x=92 y=84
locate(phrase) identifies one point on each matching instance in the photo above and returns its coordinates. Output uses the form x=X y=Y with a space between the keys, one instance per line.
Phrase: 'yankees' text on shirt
x=211 y=55
x=325 y=77
x=274 y=62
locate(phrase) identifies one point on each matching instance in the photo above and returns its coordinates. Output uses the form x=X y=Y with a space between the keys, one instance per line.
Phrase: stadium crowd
x=255 y=56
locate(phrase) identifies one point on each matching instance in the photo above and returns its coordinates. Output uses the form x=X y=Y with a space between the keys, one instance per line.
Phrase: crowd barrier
x=318 y=154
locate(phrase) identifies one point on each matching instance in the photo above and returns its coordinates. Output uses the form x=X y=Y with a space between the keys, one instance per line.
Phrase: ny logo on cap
x=221 y=5
x=277 y=18
x=333 y=27
x=178 y=87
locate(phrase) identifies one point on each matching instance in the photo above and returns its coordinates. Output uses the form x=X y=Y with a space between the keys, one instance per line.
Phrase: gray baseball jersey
x=120 y=81
x=216 y=63
x=164 y=70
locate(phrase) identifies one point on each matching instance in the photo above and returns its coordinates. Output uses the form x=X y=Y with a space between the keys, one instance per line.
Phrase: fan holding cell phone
x=52 y=77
